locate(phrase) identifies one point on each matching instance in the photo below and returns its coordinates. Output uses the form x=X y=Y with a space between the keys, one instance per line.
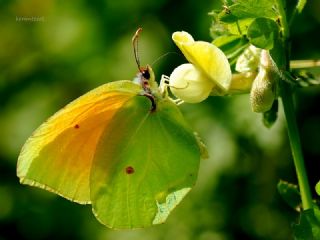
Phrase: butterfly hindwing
x=145 y=163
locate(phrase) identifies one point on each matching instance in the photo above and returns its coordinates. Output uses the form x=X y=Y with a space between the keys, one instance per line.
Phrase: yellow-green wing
x=145 y=163
x=58 y=156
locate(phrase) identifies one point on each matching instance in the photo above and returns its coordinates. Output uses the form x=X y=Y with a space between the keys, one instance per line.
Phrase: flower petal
x=206 y=57
x=189 y=84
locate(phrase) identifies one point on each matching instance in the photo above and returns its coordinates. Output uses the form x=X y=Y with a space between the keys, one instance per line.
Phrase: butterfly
x=123 y=147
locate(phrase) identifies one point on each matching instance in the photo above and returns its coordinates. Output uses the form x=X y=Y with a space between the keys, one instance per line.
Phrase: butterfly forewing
x=58 y=156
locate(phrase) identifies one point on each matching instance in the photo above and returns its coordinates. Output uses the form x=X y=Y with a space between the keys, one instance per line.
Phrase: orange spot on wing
x=129 y=170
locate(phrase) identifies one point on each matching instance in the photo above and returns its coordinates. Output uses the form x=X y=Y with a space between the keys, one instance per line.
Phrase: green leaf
x=270 y=117
x=263 y=32
x=300 y=5
x=220 y=28
x=145 y=163
x=232 y=45
x=217 y=28
x=276 y=52
x=249 y=9
x=302 y=78
x=308 y=226
x=240 y=27
x=318 y=188
x=227 y=17
x=303 y=230
x=236 y=16
x=228 y=42
x=290 y=194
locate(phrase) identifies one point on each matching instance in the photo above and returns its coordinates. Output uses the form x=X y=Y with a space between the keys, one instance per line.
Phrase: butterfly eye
x=146 y=74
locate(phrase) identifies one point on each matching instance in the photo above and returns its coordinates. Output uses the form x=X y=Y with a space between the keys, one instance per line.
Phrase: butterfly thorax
x=146 y=79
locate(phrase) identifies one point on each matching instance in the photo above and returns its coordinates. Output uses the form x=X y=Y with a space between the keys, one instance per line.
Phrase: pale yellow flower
x=208 y=69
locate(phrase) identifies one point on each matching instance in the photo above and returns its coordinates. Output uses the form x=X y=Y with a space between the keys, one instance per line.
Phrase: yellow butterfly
x=123 y=147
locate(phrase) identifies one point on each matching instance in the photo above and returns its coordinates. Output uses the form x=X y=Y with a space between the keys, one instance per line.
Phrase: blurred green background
x=78 y=45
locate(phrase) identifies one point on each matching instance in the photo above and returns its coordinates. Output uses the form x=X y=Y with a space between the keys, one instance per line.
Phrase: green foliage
x=232 y=46
x=243 y=22
x=249 y=9
x=309 y=221
x=270 y=117
x=264 y=24
x=290 y=194
x=77 y=48
x=318 y=188
x=262 y=33
x=300 y=5
x=302 y=78
x=308 y=226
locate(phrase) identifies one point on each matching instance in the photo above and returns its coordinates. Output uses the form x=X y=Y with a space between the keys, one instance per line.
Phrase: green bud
x=249 y=61
x=263 y=91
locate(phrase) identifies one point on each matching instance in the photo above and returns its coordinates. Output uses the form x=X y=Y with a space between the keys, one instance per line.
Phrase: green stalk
x=304 y=63
x=287 y=100
x=298 y=9
x=294 y=138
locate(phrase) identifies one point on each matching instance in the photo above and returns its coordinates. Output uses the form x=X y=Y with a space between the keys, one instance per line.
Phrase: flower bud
x=189 y=84
x=249 y=60
x=263 y=91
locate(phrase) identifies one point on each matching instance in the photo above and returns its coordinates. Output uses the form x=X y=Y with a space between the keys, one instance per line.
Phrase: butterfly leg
x=178 y=101
x=164 y=84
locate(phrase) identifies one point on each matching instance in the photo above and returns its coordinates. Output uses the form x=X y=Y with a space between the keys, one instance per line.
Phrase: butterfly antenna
x=135 y=44
x=164 y=55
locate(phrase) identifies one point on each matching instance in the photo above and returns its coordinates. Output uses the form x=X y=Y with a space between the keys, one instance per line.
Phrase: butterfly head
x=146 y=79
x=145 y=72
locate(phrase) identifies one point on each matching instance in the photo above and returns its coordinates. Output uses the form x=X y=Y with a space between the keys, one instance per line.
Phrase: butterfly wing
x=58 y=156
x=145 y=163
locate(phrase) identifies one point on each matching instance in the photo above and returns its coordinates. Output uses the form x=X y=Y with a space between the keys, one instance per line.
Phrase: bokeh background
x=78 y=45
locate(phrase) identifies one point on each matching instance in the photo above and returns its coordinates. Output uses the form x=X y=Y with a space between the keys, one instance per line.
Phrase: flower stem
x=304 y=63
x=294 y=138
x=287 y=100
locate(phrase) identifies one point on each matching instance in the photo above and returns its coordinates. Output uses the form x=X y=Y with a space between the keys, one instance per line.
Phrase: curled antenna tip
x=136 y=35
x=135 y=47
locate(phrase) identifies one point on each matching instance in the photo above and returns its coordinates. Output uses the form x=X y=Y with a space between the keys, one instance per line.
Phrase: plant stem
x=283 y=20
x=298 y=9
x=304 y=63
x=287 y=100
x=295 y=144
